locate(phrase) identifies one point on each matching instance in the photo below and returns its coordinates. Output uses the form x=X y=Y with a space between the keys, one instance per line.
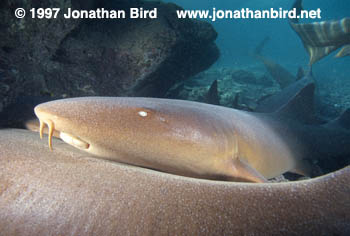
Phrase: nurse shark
x=69 y=192
x=196 y=139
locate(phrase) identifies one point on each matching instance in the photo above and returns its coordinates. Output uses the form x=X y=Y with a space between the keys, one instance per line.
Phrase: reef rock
x=237 y=88
x=111 y=57
x=27 y=45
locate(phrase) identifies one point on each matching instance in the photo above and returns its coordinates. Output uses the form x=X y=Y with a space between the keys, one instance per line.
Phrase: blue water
x=238 y=38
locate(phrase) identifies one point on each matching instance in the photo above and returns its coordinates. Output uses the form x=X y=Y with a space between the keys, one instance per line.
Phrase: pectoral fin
x=243 y=172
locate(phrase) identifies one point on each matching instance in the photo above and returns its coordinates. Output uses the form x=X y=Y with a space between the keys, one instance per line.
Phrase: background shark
x=282 y=76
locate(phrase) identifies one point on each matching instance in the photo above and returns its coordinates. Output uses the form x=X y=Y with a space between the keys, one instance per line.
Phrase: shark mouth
x=68 y=138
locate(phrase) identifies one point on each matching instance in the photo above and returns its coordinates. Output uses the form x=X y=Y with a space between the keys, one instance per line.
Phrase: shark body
x=69 y=192
x=281 y=75
x=195 y=139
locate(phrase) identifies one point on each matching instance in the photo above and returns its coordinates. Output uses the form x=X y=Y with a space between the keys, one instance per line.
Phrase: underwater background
x=238 y=38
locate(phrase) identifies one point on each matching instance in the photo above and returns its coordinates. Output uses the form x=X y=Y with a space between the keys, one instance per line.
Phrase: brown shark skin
x=196 y=139
x=182 y=137
x=66 y=192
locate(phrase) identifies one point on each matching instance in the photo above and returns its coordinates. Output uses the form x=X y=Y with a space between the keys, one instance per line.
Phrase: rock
x=242 y=76
x=27 y=44
x=106 y=57
x=138 y=57
x=19 y=112
x=236 y=88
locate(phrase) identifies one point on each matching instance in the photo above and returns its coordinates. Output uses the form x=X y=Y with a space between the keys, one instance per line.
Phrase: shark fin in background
x=213 y=94
x=345 y=51
x=300 y=107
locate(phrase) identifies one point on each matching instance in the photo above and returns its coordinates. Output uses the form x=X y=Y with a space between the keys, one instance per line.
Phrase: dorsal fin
x=300 y=107
x=213 y=94
x=277 y=101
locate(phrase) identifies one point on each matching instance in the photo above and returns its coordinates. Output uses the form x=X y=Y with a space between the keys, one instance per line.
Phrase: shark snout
x=45 y=120
x=52 y=121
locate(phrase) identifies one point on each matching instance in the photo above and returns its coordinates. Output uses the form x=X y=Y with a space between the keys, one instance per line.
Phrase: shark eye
x=151 y=114
x=143 y=113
